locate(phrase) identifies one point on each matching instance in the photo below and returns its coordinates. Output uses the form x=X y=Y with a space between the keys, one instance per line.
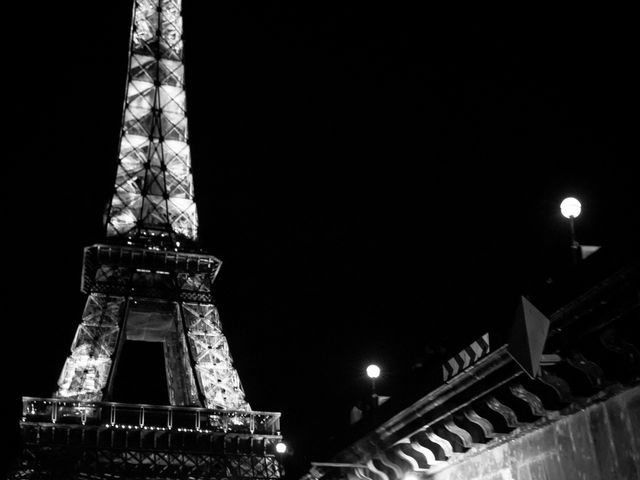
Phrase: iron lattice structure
x=148 y=282
x=154 y=186
x=106 y=440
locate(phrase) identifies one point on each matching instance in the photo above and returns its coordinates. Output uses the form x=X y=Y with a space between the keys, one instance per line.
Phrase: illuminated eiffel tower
x=149 y=282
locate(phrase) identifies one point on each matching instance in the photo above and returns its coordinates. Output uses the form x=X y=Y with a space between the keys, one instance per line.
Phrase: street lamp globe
x=373 y=371
x=570 y=207
x=281 y=447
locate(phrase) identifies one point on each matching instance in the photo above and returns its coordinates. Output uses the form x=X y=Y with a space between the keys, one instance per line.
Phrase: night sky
x=380 y=181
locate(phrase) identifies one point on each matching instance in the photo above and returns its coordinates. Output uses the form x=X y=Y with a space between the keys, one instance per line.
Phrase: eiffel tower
x=148 y=281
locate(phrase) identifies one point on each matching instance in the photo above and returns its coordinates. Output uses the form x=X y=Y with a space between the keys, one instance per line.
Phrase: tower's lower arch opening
x=141 y=376
x=152 y=365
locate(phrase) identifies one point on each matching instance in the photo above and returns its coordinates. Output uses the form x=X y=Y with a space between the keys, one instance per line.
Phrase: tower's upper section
x=153 y=193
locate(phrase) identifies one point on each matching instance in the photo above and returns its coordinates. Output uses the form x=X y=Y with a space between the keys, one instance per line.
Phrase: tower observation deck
x=148 y=281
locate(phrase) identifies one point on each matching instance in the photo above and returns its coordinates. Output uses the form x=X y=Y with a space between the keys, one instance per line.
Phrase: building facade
x=559 y=400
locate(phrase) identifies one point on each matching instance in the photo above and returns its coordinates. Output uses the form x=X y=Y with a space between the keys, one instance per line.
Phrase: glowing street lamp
x=571 y=208
x=281 y=447
x=373 y=372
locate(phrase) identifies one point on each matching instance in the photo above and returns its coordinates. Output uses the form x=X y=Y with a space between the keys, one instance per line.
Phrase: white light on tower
x=373 y=371
x=570 y=207
x=281 y=447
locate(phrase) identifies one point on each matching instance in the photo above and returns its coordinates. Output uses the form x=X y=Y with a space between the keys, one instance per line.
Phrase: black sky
x=376 y=179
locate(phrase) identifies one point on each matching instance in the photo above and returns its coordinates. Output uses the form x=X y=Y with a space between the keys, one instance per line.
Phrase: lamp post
x=571 y=208
x=373 y=372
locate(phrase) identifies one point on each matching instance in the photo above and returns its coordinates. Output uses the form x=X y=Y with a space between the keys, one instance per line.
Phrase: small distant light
x=373 y=371
x=570 y=207
x=410 y=476
x=281 y=447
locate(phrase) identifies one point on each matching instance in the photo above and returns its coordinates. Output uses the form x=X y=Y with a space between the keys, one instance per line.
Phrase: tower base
x=106 y=440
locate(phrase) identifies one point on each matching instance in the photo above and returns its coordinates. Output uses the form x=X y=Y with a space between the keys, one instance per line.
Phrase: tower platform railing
x=63 y=438
x=59 y=411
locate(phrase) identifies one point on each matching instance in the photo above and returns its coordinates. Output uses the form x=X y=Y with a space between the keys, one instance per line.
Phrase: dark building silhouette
x=557 y=396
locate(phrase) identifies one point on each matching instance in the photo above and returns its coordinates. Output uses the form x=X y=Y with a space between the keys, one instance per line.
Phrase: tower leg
x=86 y=371
x=181 y=383
x=213 y=365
